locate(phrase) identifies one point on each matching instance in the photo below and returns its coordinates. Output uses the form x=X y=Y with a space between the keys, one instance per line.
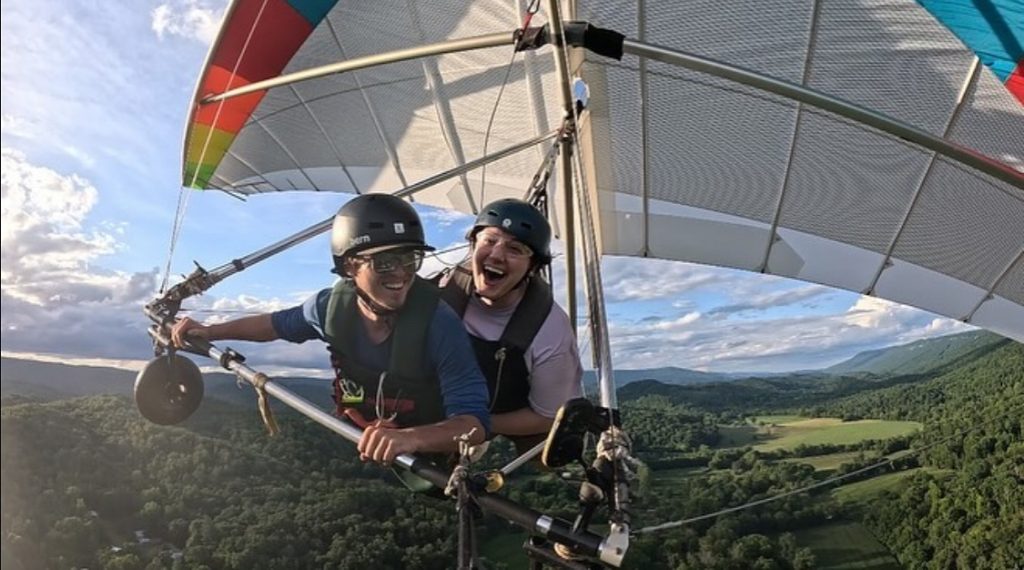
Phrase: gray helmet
x=517 y=217
x=374 y=222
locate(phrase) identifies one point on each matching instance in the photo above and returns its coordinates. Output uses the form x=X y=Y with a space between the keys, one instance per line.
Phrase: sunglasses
x=388 y=261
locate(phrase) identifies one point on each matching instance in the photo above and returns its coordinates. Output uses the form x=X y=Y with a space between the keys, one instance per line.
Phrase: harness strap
x=457 y=288
x=529 y=316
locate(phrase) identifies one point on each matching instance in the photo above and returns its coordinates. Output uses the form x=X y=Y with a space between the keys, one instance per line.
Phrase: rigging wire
x=437 y=254
x=179 y=217
x=887 y=461
x=183 y=197
x=531 y=9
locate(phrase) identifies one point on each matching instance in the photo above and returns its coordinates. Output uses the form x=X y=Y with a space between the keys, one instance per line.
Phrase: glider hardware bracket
x=578 y=34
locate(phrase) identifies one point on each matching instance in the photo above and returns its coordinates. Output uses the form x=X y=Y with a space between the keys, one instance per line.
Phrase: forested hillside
x=972 y=515
x=88 y=483
x=918 y=356
x=82 y=476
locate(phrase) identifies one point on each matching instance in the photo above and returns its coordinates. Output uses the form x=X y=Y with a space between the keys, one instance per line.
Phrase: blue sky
x=95 y=97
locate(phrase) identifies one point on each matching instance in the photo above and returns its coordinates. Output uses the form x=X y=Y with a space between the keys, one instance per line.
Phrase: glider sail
x=680 y=164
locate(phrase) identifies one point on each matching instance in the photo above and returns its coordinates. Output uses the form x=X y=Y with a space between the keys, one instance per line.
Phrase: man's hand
x=187 y=327
x=383 y=444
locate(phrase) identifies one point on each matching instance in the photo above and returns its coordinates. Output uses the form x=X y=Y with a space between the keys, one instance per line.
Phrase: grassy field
x=828 y=462
x=829 y=430
x=863 y=491
x=777 y=419
x=844 y=545
x=667 y=477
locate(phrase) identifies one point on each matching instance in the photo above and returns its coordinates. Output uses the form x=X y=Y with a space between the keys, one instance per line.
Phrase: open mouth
x=493 y=275
x=395 y=286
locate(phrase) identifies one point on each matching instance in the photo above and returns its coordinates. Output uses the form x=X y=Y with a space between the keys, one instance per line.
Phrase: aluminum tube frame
x=523 y=459
x=600 y=344
x=532 y=521
x=565 y=157
x=238 y=265
x=814 y=98
x=451 y=46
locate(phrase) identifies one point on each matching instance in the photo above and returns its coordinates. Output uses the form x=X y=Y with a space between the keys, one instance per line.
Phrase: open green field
x=769 y=433
x=668 y=477
x=777 y=419
x=818 y=431
x=863 y=491
x=828 y=462
x=844 y=545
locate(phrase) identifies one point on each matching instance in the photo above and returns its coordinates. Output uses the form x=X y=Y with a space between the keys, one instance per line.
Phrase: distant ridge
x=666 y=375
x=51 y=381
x=54 y=381
x=916 y=357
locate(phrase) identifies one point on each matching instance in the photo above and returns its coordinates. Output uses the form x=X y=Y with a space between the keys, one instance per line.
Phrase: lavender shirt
x=552 y=359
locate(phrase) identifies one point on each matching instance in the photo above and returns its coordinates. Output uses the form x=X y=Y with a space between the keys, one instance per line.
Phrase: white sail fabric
x=683 y=165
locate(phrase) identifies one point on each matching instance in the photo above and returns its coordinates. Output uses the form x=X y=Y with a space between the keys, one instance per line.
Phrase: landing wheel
x=168 y=389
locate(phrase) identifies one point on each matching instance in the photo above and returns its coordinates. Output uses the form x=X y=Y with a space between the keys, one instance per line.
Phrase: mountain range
x=50 y=381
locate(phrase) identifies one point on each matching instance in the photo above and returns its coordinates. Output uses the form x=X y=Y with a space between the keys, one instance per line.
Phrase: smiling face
x=500 y=262
x=385 y=277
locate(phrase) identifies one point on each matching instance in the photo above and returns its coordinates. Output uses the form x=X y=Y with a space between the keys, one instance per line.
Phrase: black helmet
x=517 y=217
x=374 y=222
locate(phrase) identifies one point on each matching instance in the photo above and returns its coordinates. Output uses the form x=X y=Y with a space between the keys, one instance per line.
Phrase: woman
x=523 y=340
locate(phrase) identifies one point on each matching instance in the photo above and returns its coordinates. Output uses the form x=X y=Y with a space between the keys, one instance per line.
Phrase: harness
x=408 y=392
x=503 y=361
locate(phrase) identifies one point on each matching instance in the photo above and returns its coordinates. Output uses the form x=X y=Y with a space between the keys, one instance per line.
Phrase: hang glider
x=860 y=145
x=874 y=147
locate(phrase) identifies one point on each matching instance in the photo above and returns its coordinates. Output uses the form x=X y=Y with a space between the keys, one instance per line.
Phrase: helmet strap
x=374 y=307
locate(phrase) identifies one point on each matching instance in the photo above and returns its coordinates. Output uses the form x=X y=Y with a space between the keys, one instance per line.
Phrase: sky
x=95 y=97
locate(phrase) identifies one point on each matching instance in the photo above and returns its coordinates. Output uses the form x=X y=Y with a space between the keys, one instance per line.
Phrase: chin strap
x=375 y=307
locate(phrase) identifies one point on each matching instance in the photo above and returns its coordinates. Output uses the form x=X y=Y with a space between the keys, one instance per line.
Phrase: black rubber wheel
x=168 y=389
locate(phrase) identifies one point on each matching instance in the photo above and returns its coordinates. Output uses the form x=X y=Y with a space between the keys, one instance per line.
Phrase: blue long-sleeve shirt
x=449 y=353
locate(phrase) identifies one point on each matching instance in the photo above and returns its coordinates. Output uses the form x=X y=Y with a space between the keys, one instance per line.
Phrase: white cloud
x=630 y=279
x=54 y=296
x=444 y=218
x=18 y=126
x=189 y=19
x=773 y=344
x=771 y=299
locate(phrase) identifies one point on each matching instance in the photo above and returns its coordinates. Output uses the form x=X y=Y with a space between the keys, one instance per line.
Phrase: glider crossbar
x=440 y=48
x=536 y=523
x=840 y=107
x=202 y=280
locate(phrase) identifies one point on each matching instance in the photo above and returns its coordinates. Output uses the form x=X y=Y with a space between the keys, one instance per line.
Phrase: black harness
x=503 y=361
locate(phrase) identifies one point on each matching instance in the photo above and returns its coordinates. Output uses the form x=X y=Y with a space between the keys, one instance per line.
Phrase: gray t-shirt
x=552 y=359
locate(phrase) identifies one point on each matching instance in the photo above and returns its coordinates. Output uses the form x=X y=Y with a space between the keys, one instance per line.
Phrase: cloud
x=770 y=300
x=18 y=126
x=631 y=279
x=189 y=19
x=774 y=344
x=54 y=296
x=444 y=218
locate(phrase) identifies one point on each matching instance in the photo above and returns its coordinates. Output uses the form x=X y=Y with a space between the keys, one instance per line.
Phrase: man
x=404 y=367
x=523 y=340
